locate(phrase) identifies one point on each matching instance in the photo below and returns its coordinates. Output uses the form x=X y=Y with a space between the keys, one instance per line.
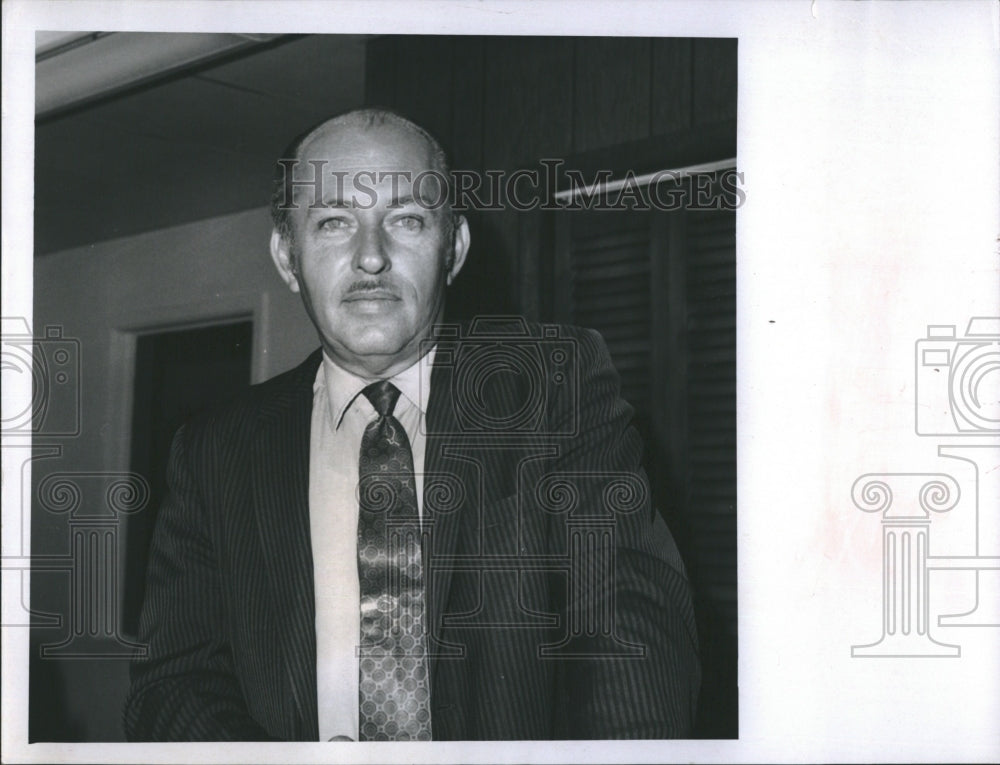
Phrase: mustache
x=370 y=285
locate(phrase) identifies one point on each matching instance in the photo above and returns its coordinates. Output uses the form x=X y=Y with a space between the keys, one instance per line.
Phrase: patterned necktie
x=394 y=686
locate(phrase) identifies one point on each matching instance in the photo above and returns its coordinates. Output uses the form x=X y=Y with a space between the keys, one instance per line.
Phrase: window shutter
x=610 y=276
x=710 y=268
x=660 y=286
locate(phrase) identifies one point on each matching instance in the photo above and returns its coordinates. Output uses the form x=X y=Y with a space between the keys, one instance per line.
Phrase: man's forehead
x=371 y=187
x=365 y=166
x=353 y=149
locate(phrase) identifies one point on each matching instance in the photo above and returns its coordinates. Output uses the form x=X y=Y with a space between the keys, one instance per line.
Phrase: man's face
x=371 y=261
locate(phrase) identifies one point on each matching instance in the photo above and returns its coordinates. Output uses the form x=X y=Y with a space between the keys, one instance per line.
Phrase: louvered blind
x=624 y=267
x=610 y=273
x=710 y=269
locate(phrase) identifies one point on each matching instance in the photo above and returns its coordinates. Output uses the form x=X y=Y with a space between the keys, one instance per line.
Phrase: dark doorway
x=177 y=375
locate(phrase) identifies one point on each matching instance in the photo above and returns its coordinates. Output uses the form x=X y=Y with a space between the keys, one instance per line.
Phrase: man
x=422 y=532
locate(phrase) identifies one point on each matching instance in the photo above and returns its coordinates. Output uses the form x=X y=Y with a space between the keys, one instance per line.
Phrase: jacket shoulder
x=514 y=330
x=288 y=389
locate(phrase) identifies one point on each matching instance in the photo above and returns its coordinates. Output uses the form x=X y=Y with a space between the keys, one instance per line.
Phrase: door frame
x=125 y=330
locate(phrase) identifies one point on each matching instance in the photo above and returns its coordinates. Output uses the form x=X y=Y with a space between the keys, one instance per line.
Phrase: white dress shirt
x=339 y=417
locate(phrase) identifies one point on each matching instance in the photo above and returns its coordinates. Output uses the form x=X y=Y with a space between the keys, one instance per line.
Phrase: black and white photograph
x=593 y=186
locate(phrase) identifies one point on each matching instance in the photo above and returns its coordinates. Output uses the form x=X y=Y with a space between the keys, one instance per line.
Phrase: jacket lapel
x=280 y=479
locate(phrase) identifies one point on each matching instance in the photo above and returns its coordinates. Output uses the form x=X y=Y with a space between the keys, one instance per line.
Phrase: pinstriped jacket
x=557 y=607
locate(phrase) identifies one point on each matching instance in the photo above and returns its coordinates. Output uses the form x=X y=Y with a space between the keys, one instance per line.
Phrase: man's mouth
x=367 y=295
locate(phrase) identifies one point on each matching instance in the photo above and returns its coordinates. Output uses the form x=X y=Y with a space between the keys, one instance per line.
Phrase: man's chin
x=373 y=350
x=375 y=345
x=373 y=337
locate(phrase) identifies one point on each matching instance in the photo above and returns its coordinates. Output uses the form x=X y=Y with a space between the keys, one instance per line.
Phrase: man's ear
x=284 y=260
x=460 y=247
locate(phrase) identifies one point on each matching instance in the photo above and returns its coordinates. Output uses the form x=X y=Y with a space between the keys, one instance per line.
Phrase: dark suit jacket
x=554 y=610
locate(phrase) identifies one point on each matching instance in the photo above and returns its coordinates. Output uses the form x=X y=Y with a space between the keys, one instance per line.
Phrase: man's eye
x=410 y=222
x=333 y=224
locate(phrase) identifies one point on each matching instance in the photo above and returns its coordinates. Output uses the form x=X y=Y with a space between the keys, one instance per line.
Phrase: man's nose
x=371 y=256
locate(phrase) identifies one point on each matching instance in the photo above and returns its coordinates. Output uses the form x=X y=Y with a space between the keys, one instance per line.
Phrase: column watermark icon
x=957 y=381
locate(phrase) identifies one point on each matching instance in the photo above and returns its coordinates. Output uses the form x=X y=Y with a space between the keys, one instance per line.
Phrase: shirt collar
x=343 y=387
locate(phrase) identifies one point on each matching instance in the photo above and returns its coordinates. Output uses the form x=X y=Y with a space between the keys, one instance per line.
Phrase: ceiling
x=138 y=131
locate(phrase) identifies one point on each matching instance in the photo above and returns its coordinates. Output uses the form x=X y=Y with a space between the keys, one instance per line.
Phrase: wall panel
x=671 y=88
x=714 y=80
x=611 y=91
x=424 y=83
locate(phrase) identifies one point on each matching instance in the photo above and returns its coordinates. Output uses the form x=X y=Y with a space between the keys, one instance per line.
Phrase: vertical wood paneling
x=528 y=106
x=505 y=263
x=527 y=115
x=467 y=106
x=612 y=91
x=424 y=83
x=380 y=71
x=486 y=284
x=670 y=109
x=562 y=268
x=487 y=264
x=531 y=256
x=714 y=79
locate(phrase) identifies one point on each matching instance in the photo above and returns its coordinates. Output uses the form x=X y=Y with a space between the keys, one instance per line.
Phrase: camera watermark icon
x=957 y=397
x=534 y=365
x=958 y=380
x=984 y=563
x=52 y=363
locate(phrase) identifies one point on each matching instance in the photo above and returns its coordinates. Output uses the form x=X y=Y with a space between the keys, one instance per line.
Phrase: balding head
x=289 y=166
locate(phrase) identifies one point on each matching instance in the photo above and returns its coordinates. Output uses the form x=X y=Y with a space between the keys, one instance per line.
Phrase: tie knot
x=383 y=395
